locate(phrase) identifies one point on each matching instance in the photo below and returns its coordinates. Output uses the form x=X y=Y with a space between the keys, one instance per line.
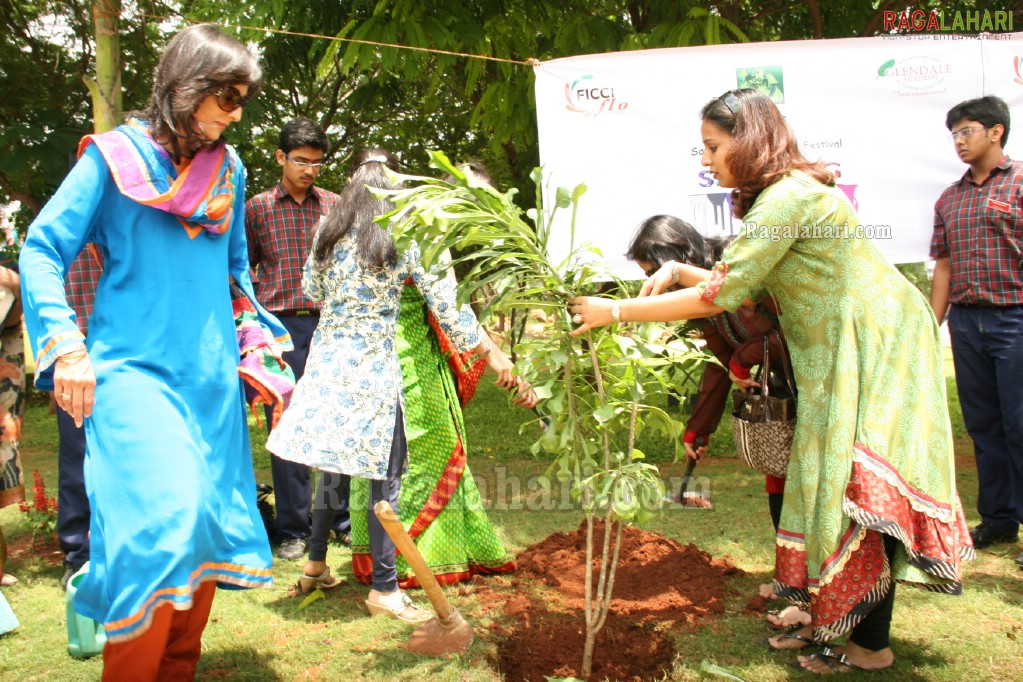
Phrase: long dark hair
x=357 y=207
x=763 y=149
x=663 y=238
x=196 y=63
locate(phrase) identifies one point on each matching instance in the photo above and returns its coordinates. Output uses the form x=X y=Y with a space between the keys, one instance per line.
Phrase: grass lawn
x=264 y=635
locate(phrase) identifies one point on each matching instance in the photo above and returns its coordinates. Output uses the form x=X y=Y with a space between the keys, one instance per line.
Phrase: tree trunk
x=106 y=88
x=591 y=637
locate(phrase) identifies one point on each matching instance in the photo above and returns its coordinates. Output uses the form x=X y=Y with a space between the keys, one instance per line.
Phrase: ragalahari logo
x=960 y=21
x=585 y=96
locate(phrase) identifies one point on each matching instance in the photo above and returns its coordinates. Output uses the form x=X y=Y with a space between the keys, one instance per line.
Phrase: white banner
x=627 y=126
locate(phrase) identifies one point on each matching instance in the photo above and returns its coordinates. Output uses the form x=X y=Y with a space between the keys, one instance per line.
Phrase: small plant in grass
x=42 y=510
x=594 y=388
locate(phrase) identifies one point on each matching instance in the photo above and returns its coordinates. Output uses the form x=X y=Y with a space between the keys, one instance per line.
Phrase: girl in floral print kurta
x=870 y=495
x=346 y=412
x=342 y=413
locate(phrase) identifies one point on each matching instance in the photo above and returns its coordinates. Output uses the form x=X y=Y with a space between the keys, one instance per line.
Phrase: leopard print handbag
x=763 y=424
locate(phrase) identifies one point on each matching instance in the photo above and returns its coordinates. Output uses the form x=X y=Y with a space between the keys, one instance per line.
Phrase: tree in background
x=105 y=88
x=366 y=93
x=47 y=53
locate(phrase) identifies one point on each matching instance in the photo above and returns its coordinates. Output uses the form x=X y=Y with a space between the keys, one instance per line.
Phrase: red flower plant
x=42 y=512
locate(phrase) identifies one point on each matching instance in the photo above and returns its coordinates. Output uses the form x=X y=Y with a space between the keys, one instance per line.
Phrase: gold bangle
x=616 y=311
x=674 y=275
x=74 y=356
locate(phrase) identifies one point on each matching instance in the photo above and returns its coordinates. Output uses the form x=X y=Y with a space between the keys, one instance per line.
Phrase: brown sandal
x=323 y=581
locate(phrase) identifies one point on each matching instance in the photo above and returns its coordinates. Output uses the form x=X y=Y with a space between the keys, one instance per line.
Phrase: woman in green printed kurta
x=439 y=502
x=870 y=496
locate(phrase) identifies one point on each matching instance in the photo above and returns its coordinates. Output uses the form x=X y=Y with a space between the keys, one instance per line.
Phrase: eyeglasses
x=964 y=133
x=731 y=101
x=317 y=165
x=229 y=99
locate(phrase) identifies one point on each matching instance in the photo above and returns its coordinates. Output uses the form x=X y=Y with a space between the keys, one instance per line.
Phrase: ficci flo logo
x=585 y=96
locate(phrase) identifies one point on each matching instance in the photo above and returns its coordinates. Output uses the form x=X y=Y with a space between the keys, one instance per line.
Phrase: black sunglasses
x=229 y=99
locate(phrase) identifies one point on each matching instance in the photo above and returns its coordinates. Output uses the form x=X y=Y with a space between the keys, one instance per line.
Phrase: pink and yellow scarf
x=201 y=196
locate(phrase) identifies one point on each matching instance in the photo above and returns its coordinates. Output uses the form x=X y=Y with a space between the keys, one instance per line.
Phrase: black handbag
x=763 y=424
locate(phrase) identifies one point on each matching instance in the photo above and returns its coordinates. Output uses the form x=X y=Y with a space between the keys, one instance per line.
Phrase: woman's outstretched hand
x=741 y=383
x=589 y=312
x=662 y=280
x=500 y=363
x=506 y=379
x=525 y=397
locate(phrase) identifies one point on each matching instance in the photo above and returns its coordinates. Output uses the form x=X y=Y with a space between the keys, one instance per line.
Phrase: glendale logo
x=917 y=75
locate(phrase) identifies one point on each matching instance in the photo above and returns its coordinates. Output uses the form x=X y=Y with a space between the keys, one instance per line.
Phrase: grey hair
x=197 y=62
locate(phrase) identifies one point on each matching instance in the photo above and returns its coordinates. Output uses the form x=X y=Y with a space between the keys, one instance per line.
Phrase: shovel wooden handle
x=392 y=525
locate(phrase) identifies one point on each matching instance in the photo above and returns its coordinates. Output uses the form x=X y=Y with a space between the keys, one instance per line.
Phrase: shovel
x=447 y=632
x=697 y=500
x=686 y=478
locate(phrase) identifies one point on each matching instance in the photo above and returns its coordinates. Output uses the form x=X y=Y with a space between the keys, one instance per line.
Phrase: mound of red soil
x=659 y=585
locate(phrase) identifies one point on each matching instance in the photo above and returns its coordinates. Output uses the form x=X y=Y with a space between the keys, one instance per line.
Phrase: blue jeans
x=987 y=347
x=381 y=547
x=73 y=510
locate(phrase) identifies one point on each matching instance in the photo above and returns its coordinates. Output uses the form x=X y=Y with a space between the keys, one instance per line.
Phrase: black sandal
x=791 y=634
x=833 y=660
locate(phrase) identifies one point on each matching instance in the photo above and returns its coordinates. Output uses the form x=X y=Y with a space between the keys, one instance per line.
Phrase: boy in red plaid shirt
x=978 y=249
x=279 y=224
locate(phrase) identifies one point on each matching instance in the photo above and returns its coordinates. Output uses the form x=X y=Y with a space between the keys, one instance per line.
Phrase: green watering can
x=85 y=637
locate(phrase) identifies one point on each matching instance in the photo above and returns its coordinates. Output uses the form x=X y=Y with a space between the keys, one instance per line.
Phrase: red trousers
x=169 y=650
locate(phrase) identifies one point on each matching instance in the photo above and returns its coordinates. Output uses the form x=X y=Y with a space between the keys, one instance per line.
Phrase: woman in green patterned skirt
x=439 y=503
x=870 y=496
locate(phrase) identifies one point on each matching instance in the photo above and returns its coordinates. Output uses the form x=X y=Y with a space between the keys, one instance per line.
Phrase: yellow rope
x=531 y=61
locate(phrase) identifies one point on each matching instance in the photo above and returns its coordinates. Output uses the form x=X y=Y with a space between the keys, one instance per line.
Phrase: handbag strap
x=789 y=381
x=765 y=369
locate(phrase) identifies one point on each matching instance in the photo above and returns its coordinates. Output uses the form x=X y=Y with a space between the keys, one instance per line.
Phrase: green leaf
x=313 y=596
x=716 y=670
x=562 y=198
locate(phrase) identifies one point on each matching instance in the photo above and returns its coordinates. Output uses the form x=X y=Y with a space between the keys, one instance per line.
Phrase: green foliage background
x=365 y=93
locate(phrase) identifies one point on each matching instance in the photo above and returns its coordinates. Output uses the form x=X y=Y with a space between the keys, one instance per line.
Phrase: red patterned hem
x=859 y=579
x=934 y=534
x=362 y=567
x=717 y=278
x=879 y=501
x=790 y=559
